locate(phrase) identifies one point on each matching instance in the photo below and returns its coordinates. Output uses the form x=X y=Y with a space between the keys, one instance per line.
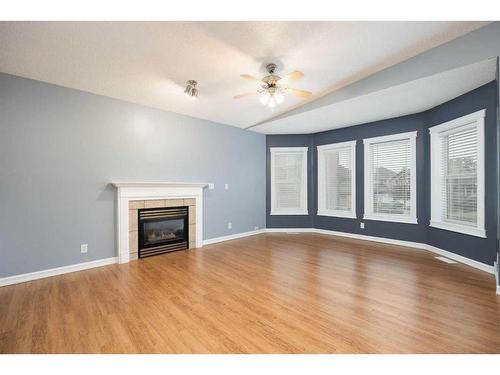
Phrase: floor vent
x=446 y=260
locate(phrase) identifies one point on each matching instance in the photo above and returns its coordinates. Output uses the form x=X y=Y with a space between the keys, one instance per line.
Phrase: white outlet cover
x=226 y=186
x=362 y=225
x=229 y=225
x=84 y=248
x=211 y=186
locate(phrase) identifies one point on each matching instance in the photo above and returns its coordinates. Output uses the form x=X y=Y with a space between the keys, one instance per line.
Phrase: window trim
x=475 y=119
x=302 y=210
x=368 y=179
x=322 y=210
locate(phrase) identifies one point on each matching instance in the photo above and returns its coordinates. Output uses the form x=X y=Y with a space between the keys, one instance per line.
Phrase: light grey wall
x=60 y=148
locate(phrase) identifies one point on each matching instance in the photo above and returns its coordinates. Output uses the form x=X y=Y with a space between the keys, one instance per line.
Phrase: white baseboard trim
x=390 y=241
x=348 y=235
x=497 y=276
x=418 y=245
x=233 y=236
x=291 y=230
x=461 y=259
x=16 y=279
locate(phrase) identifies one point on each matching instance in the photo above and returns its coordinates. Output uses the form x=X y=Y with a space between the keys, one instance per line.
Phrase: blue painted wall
x=60 y=148
x=497 y=78
x=408 y=232
x=295 y=221
x=482 y=250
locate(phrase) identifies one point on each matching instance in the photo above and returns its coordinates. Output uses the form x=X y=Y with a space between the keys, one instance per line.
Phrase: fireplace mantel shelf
x=152 y=184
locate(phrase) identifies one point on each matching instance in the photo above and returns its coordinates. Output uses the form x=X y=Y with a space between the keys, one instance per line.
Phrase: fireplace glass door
x=162 y=230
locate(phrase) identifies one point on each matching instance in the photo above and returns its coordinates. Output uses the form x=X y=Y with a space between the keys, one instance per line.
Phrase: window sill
x=459 y=228
x=392 y=219
x=341 y=214
x=273 y=213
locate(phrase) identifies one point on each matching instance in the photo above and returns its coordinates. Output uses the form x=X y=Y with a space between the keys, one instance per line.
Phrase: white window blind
x=459 y=174
x=391 y=177
x=336 y=179
x=457 y=177
x=289 y=180
x=390 y=189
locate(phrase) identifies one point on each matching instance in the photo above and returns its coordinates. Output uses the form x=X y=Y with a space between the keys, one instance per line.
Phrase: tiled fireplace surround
x=132 y=196
x=135 y=205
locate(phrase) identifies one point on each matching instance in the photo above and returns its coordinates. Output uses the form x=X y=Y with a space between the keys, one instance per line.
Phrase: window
x=337 y=180
x=390 y=178
x=289 y=181
x=457 y=175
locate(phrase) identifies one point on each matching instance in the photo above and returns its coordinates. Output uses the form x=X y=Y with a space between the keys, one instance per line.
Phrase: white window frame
x=368 y=179
x=322 y=210
x=472 y=120
x=303 y=209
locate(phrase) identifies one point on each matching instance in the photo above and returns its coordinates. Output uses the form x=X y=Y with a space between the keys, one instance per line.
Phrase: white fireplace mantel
x=136 y=190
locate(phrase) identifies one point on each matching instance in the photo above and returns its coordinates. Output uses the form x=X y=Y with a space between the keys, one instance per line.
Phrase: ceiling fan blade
x=302 y=93
x=249 y=77
x=293 y=76
x=245 y=94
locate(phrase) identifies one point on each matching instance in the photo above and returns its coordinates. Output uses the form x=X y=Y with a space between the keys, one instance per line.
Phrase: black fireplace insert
x=162 y=230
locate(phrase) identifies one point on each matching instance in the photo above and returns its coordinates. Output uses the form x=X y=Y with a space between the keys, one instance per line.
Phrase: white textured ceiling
x=148 y=62
x=410 y=97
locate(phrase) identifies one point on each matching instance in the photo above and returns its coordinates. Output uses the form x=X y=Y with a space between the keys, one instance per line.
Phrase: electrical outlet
x=362 y=225
x=211 y=186
x=226 y=186
x=84 y=248
x=229 y=225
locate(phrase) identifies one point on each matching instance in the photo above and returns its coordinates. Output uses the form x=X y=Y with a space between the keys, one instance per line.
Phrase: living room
x=175 y=187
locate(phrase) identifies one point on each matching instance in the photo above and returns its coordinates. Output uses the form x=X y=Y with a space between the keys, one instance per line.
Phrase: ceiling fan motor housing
x=271 y=67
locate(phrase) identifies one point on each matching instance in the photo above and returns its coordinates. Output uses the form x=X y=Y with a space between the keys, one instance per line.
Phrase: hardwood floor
x=270 y=293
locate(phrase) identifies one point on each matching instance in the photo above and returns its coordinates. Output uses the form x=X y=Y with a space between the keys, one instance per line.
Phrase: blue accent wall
x=497 y=78
x=482 y=250
x=290 y=221
x=60 y=149
x=400 y=231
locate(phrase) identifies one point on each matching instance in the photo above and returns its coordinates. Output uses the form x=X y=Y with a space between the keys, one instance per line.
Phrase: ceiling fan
x=272 y=89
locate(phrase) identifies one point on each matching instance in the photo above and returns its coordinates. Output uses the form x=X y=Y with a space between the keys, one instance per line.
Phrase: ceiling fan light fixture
x=191 y=91
x=272 y=102
x=280 y=98
x=264 y=98
x=272 y=91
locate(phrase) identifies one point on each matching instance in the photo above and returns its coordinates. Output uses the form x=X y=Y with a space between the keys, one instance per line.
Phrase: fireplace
x=162 y=230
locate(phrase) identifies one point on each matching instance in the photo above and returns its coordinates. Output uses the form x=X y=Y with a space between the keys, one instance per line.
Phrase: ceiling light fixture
x=191 y=89
x=272 y=96
x=272 y=91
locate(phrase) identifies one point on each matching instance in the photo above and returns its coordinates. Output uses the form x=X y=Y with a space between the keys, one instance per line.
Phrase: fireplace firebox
x=162 y=230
